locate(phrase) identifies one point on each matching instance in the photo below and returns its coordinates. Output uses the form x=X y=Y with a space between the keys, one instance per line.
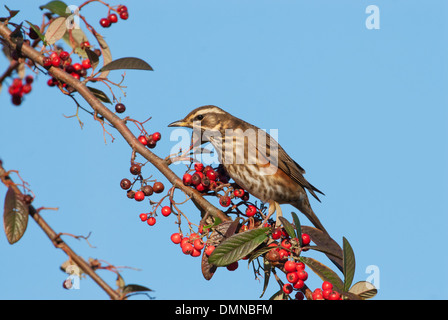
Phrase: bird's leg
x=278 y=223
x=274 y=207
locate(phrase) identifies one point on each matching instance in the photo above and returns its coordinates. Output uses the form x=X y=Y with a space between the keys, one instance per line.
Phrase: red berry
x=283 y=254
x=209 y=250
x=286 y=244
x=212 y=175
x=54 y=55
x=75 y=75
x=200 y=187
x=112 y=18
x=198 y=167
x=195 y=252
x=290 y=266
x=156 y=136
x=198 y=244
x=105 y=23
x=317 y=294
x=327 y=286
x=334 y=296
x=224 y=201
x=143 y=140
x=186 y=179
x=121 y=9
x=299 y=284
x=56 y=61
x=29 y=79
x=299 y=295
x=305 y=239
x=51 y=82
x=120 y=108
x=77 y=67
x=143 y=216
x=47 y=62
x=300 y=266
x=276 y=234
x=184 y=241
x=326 y=294
x=292 y=277
x=151 y=221
x=139 y=196
x=166 y=211
x=64 y=55
x=16 y=100
x=176 y=238
x=287 y=288
x=196 y=178
x=187 y=248
x=124 y=15
x=86 y=64
x=233 y=266
x=303 y=275
x=239 y=193
x=251 y=210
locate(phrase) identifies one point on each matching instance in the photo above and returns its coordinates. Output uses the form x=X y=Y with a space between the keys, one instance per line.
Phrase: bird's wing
x=285 y=163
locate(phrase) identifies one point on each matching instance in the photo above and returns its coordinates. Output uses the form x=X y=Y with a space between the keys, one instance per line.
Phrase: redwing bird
x=253 y=159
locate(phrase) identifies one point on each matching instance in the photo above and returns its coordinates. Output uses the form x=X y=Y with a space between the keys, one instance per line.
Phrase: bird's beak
x=178 y=123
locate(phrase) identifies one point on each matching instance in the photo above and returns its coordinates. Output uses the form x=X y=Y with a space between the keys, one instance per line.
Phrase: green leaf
x=298 y=227
x=238 y=246
x=57 y=7
x=127 y=63
x=348 y=264
x=15 y=217
x=37 y=30
x=134 y=288
x=324 y=272
x=100 y=95
x=267 y=275
x=288 y=227
x=214 y=224
x=364 y=289
x=56 y=30
x=258 y=253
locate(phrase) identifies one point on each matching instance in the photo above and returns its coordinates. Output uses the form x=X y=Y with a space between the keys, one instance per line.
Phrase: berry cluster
x=296 y=277
x=326 y=293
x=286 y=246
x=149 y=217
x=18 y=89
x=204 y=178
x=63 y=60
x=113 y=18
x=150 y=140
x=145 y=191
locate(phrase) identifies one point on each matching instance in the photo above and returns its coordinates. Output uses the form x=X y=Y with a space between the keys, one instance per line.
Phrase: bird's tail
x=305 y=207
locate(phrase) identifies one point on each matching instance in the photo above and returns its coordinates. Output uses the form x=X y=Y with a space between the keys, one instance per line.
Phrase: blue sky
x=363 y=111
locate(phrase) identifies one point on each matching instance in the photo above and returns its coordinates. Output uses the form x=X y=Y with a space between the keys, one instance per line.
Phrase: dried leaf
x=127 y=63
x=74 y=38
x=93 y=57
x=56 y=30
x=364 y=289
x=134 y=288
x=217 y=236
x=267 y=275
x=15 y=217
x=324 y=272
x=324 y=241
x=105 y=53
x=349 y=264
x=99 y=94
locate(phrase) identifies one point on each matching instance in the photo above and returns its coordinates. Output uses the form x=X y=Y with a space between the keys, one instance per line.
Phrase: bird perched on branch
x=253 y=159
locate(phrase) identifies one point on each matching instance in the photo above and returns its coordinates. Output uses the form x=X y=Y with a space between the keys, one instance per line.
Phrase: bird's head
x=209 y=118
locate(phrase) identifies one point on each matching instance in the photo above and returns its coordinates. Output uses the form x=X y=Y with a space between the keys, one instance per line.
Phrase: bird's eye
x=199 y=117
